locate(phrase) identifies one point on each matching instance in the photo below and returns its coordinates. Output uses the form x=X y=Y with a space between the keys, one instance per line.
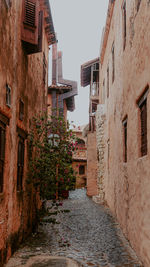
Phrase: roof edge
x=106 y=29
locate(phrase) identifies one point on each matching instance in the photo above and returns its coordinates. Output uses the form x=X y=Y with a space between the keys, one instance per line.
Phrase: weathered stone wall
x=92 y=188
x=24 y=75
x=127 y=184
x=101 y=143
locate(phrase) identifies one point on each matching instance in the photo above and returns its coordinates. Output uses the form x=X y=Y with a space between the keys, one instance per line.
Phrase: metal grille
x=30 y=9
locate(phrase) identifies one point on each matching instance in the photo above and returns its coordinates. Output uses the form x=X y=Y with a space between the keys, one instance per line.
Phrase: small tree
x=51 y=146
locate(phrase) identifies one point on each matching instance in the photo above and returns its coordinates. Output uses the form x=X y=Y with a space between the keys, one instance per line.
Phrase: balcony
x=95 y=91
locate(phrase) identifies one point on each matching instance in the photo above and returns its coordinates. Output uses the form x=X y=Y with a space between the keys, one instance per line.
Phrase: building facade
x=26 y=31
x=62 y=92
x=79 y=159
x=123 y=125
x=90 y=76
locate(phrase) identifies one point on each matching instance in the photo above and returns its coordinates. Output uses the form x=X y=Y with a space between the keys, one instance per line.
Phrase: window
x=113 y=63
x=8 y=95
x=108 y=82
x=21 y=110
x=124 y=24
x=104 y=91
x=142 y=103
x=2 y=154
x=32 y=25
x=81 y=169
x=20 y=163
x=44 y=68
x=125 y=139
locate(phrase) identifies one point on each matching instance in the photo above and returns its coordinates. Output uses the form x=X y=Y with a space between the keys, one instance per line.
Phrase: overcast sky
x=79 y=25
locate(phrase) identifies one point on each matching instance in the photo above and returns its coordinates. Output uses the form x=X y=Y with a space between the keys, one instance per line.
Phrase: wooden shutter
x=143 y=109
x=30 y=18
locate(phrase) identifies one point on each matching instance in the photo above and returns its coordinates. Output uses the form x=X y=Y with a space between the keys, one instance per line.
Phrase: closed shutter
x=30 y=18
x=143 y=110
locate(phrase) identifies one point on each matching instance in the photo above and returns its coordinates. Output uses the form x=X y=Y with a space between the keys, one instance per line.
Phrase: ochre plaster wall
x=127 y=185
x=24 y=74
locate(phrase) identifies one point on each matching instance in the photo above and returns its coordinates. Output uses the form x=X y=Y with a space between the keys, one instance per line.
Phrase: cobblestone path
x=88 y=234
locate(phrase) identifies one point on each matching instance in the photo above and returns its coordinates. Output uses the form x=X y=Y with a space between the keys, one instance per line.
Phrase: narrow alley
x=87 y=234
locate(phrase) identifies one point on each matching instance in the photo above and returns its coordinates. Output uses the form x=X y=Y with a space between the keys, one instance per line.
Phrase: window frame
x=21 y=110
x=113 y=61
x=2 y=154
x=142 y=105
x=108 y=81
x=20 y=163
x=8 y=95
x=44 y=68
x=125 y=139
x=124 y=20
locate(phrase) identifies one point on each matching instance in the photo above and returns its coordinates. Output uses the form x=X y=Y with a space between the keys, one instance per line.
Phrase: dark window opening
x=20 y=164
x=143 y=115
x=8 y=95
x=124 y=24
x=2 y=155
x=21 y=110
x=44 y=68
x=113 y=63
x=107 y=82
x=142 y=103
x=81 y=169
x=103 y=91
x=125 y=139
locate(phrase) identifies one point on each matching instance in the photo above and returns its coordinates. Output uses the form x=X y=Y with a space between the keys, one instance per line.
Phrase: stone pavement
x=88 y=234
